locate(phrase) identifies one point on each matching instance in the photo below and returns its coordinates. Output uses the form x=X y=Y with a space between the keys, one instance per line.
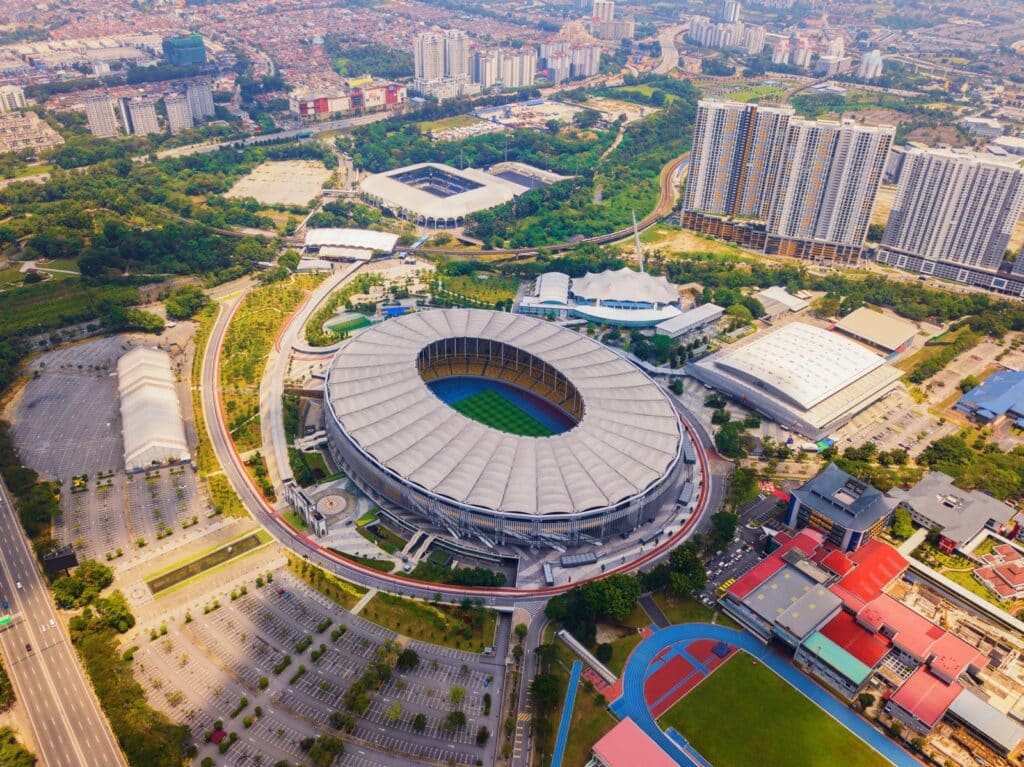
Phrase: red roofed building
x=877 y=565
x=922 y=700
x=867 y=647
x=1003 y=573
x=626 y=745
x=909 y=632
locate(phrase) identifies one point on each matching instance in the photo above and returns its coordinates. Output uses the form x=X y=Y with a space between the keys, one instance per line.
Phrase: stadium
x=502 y=427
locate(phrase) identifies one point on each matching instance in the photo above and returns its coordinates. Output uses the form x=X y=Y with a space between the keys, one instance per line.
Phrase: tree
x=521 y=630
x=686 y=570
x=902 y=524
x=482 y=735
x=604 y=652
x=968 y=382
x=408 y=659
x=720 y=417
x=289 y=260
x=183 y=302
x=394 y=712
x=455 y=720
x=457 y=694
x=546 y=692
x=866 y=700
x=723 y=527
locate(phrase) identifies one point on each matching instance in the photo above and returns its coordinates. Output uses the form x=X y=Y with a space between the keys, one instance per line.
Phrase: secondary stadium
x=502 y=427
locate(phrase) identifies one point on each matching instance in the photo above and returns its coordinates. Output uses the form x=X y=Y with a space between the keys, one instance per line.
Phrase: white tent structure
x=150 y=412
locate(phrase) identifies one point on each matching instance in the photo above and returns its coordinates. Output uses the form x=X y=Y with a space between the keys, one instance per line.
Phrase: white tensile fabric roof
x=800 y=362
x=625 y=285
x=628 y=438
x=553 y=286
x=150 y=413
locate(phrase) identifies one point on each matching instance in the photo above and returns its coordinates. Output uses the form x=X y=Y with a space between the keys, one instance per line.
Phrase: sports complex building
x=503 y=427
x=439 y=196
x=803 y=377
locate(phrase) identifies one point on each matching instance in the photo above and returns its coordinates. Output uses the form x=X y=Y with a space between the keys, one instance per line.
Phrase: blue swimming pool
x=458 y=388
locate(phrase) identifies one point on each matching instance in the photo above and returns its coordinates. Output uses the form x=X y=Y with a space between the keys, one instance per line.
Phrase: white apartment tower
x=780 y=53
x=139 y=116
x=870 y=65
x=953 y=206
x=179 y=116
x=486 y=68
x=734 y=158
x=518 y=68
x=12 y=98
x=99 y=113
x=603 y=10
x=559 y=67
x=200 y=100
x=585 y=60
x=456 y=55
x=730 y=11
x=428 y=55
x=551 y=47
x=828 y=178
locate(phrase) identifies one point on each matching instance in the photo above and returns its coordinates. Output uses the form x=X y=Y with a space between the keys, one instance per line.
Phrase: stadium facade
x=618 y=464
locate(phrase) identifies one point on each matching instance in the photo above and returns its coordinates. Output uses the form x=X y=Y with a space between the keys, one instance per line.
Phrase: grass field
x=334 y=588
x=757 y=92
x=745 y=714
x=446 y=123
x=347 y=326
x=491 y=409
x=439 y=624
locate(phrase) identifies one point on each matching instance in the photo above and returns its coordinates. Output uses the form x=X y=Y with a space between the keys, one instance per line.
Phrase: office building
x=368 y=96
x=953 y=209
x=518 y=68
x=99 y=114
x=985 y=127
x=730 y=13
x=585 y=60
x=200 y=100
x=428 y=56
x=138 y=116
x=849 y=511
x=185 y=51
x=179 y=116
x=603 y=10
x=870 y=66
x=12 y=98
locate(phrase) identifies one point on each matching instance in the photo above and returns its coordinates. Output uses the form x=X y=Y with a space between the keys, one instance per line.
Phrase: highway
x=669 y=52
x=68 y=726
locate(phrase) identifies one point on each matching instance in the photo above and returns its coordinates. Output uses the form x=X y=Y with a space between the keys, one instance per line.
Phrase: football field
x=491 y=409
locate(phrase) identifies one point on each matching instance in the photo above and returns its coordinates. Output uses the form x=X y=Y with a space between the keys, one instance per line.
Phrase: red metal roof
x=925 y=696
x=835 y=560
x=866 y=647
x=911 y=632
x=952 y=656
x=877 y=565
x=626 y=745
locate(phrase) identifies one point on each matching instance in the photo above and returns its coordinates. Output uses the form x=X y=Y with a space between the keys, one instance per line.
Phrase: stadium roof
x=626 y=745
x=881 y=330
x=625 y=285
x=959 y=514
x=843 y=499
x=777 y=300
x=360 y=239
x=986 y=718
x=925 y=697
x=800 y=363
x=838 y=658
x=150 y=413
x=488 y=192
x=628 y=438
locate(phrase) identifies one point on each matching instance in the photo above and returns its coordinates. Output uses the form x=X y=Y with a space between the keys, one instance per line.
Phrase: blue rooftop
x=1000 y=393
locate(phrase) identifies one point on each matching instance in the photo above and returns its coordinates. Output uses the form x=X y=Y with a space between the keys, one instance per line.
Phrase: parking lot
x=746 y=550
x=198 y=672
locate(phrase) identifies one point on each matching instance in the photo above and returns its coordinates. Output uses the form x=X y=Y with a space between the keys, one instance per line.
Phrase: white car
x=18 y=584
x=53 y=623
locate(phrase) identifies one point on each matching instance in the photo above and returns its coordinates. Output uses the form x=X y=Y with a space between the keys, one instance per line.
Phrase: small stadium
x=502 y=426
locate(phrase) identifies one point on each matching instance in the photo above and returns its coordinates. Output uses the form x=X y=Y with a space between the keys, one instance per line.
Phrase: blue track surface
x=456 y=389
x=633 y=705
x=563 y=725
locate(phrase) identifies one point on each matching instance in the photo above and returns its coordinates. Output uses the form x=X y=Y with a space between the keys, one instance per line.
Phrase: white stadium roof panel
x=361 y=239
x=628 y=438
x=625 y=285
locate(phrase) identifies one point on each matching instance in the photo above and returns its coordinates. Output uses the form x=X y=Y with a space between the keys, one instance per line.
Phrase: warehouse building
x=777 y=301
x=803 y=377
x=1001 y=394
x=154 y=433
x=890 y=334
x=700 y=319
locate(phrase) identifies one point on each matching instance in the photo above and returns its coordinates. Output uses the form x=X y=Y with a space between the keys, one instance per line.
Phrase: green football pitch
x=745 y=714
x=491 y=409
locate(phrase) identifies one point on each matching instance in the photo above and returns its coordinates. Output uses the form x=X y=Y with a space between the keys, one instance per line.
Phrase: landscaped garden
x=464 y=627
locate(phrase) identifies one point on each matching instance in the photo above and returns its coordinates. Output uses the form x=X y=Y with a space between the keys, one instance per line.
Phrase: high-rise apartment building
x=828 y=178
x=12 y=98
x=870 y=65
x=99 y=114
x=199 y=94
x=139 y=116
x=179 y=116
x=518 y=68
x=952 y=207
x=604 y=10
x=813 y=183
x=780 y=53
x=585 y=60
x=559 y=67
x=486 y=68
x=456 y=55
x=551 y=47
x=428 y=56
x=730 y=12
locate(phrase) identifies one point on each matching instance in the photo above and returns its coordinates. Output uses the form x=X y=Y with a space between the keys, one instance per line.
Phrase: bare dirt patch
x=286 y=182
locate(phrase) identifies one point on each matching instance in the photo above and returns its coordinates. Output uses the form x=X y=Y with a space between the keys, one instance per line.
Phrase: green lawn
x=744 y=714
x=445 y=123
x=689 y=610
x=440 y=624
x=331 y=586
x=347 y=326
x=621 y=648
x=491 y=409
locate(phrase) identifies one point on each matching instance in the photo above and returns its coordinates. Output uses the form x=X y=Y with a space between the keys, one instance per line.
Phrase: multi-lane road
x=68 y=726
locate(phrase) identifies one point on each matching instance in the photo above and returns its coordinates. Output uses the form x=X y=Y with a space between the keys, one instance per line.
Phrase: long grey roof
x=628 y=438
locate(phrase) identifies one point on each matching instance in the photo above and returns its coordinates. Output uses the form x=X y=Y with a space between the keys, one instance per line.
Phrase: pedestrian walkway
x=664 y=644
x=358 y=606
x=563 y=725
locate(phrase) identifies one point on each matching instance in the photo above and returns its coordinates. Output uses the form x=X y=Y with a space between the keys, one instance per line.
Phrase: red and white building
x=1003 y=572
x=345 y=100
